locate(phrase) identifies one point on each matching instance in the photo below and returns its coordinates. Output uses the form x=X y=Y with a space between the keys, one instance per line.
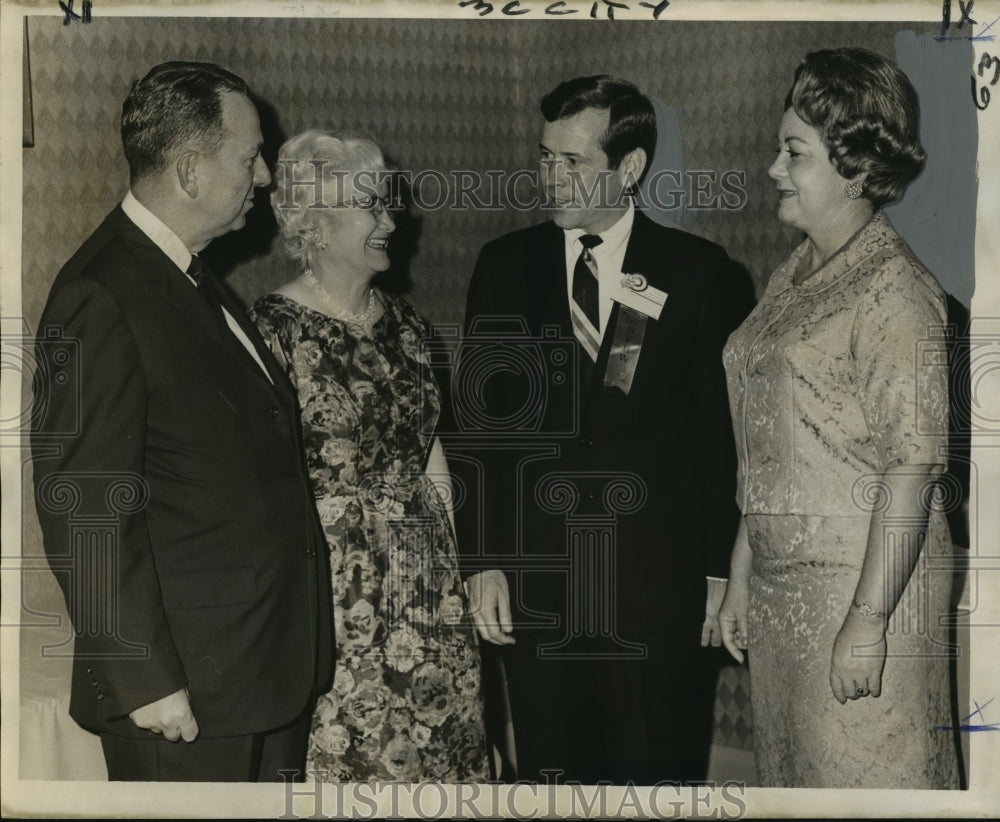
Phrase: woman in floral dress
x=406 y=702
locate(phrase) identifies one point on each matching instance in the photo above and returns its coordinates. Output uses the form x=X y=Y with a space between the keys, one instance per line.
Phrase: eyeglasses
x=374 y=205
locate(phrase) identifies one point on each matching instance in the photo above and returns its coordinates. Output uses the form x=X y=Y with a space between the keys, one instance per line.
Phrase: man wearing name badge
x=202 y=620
x=590 y=568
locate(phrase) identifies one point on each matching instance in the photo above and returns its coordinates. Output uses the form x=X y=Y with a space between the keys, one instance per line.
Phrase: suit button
x=585 y=442
x=311 y=552
x=100 y=696
x=93 y=682
x=273 y=411
x=90 y=670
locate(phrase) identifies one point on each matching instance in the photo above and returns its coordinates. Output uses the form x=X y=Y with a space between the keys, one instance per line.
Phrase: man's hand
x=489 y=602
x=170 y=716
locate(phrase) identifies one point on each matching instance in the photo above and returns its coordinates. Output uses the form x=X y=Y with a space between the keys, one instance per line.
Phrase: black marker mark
x=658 y=9
x=611 y=8
x=984 y=65
x=481 y=6
x=71 y=15
x=982 y=92
x=965 y=18
x=946 y=15
x=560 y=8
x=513 y=9
x=966 y=12
x=557 y=9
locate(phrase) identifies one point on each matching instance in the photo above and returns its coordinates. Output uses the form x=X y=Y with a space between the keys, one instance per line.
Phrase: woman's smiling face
x=359 y=229
x=810 y=189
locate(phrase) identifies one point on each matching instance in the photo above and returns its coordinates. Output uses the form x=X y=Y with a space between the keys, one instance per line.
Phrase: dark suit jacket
x=657 y=464
x=173 y=499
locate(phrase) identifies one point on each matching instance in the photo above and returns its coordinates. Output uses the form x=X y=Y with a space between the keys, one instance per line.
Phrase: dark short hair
x=175 y=105
x=632 y=121
x=867 y=114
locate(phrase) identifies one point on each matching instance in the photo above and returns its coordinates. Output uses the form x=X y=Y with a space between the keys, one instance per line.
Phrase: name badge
x=635 y=292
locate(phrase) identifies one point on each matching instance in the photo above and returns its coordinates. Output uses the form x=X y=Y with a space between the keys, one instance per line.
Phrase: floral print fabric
x=830 y=386
x=406 y=702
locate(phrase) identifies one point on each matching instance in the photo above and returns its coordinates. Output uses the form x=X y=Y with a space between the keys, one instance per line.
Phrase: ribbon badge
x=638 y=302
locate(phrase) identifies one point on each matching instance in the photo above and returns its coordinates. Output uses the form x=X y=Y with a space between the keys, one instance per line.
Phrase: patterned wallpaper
x=437 y=95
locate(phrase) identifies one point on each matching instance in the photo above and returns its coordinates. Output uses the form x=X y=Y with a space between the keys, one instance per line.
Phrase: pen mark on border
x=966 y=727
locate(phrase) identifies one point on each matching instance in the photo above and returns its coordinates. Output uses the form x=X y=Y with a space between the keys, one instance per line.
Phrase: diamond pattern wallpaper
x=438 y=96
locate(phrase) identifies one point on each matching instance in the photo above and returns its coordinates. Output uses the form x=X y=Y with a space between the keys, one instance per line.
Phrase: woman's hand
x=711 y=632
x=734 y=617
x=858 y=657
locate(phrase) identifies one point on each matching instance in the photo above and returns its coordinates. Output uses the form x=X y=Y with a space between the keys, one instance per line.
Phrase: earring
x=853 y=189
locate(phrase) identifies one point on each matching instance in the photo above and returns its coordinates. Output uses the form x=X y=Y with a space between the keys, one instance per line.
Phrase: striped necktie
x=586 y=313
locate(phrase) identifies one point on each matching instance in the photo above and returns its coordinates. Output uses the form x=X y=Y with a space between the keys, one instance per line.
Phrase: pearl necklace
x=365 y=319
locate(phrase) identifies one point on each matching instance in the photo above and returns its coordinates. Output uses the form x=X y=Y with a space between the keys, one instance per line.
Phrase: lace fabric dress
x=406 y=702
x=830 y=384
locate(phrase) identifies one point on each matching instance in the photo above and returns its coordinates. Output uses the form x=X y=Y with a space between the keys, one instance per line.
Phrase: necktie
x=202 y=275
x=585 y=288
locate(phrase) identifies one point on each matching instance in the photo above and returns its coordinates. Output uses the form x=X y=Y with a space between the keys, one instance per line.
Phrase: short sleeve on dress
x=902 y=375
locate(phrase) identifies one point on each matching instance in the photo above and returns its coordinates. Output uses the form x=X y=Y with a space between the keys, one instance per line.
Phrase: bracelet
x=867 y=609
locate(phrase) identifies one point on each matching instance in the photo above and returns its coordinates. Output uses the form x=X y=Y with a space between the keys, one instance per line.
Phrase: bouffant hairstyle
x=177 y=105
x=333 y=159
x=632 y=121
x=867 y=114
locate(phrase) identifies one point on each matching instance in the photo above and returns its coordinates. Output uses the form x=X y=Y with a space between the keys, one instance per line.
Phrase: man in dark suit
x=202 y=613
x=607 y=472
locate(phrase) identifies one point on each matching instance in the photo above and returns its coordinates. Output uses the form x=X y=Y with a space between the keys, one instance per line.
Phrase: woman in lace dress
x=406 y=702
x=841 y=571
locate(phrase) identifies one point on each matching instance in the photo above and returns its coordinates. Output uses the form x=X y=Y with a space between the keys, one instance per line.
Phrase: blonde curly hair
x=301 y=159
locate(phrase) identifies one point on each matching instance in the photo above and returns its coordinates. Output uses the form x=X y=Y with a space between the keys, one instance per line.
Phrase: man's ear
x=631 y=168
x=186 y=167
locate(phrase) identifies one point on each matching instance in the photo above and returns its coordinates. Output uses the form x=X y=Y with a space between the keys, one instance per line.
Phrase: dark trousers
x=252 y=758
x=615 y=718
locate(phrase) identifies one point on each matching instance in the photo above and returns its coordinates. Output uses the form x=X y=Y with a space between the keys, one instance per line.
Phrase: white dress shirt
x=161 y=235
x=610 y=255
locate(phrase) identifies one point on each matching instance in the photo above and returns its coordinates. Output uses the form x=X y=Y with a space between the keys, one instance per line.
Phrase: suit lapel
x=641 y=255
x=601 y=365
x=177 y=290
x=550 y=281
x=236 y=309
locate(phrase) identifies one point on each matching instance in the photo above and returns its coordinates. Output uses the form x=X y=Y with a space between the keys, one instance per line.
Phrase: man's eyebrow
x=574 y=154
